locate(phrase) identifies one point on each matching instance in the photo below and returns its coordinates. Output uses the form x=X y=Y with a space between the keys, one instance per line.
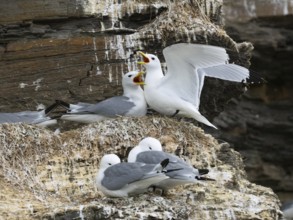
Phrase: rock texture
x=260 y=125
x=246 y=10
x=78 y=50
x=49 y=176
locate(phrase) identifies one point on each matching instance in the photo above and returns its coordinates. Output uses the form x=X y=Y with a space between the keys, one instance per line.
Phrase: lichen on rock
x=56 y=173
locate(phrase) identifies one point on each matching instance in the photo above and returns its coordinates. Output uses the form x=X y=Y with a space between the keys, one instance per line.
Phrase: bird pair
x=175 y=93
x=147 y=166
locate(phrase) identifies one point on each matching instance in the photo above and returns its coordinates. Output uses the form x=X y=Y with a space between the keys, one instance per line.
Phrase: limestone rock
x=49 y=176
x=260 y=124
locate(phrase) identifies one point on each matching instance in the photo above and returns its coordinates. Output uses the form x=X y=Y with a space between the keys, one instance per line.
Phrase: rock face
x=260 y=125
x=246 y=10
x=51 y=176
x=78 y=50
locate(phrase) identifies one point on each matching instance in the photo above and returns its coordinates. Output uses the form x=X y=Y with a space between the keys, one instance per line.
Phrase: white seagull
x=116 y=179
x=178 y=92
x=40 y=118
x=149 y=151
x=131 y=103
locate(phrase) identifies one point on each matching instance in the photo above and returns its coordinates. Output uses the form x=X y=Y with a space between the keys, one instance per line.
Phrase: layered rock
x=77 y=51
x=51 y=176
x=260 y=125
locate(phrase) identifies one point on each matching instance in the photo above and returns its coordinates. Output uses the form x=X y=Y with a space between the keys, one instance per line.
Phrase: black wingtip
x=203 y=171
x=51 y=108
x=165 y=162
x=204 y=178
x=255 y=78
x=62 y=103
x=173 y=170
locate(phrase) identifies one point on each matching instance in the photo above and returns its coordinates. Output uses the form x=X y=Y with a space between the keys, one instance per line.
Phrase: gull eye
x=130 y=76
x=109 y=164
x=153 y=58
x=150 y=148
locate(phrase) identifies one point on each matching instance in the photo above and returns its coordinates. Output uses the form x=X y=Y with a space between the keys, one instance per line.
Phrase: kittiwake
x=149 y=151
x=116 y=179
x=40 y=118
x=131 y=103
x=178 y=92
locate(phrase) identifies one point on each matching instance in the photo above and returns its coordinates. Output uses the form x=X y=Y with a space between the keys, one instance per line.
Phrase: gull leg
x=177 y=111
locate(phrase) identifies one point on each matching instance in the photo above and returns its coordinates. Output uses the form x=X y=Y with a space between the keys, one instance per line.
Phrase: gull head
x=149 y=60
x=109 y=160
x=133 y=78
x=150 y=143
x=147 y=144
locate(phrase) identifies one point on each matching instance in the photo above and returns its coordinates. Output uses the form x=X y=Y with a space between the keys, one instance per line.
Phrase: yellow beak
x=138 y=79
x=145 y=58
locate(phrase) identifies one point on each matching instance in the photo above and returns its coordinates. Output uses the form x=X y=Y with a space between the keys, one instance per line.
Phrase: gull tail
x=197 y=116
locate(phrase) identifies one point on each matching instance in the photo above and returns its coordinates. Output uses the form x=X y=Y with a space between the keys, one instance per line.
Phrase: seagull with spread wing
x=178 y=92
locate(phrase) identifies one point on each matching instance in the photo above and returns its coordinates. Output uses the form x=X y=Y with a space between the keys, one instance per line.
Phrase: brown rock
x=260 y=124
x=52 y=176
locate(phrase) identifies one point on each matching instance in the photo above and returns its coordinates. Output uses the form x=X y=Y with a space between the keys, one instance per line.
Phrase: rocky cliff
x=260 y=125
x=49 y=176
x=77 y=51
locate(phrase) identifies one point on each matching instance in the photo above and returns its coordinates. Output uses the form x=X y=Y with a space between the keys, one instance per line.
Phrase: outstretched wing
x=188 y=64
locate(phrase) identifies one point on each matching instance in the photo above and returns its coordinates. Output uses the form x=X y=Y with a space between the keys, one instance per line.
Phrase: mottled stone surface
x=260 y=125
x=246 y=10
x=49 y=176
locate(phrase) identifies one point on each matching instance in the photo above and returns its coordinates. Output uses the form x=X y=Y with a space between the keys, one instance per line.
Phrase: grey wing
x=27 y=116
x=119 y=175
x=155 y=157
x=151 y=157
x=176 y=169
x=118 y=105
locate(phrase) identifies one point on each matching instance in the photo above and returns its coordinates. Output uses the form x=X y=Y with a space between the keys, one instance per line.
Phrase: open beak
x=144 y=57
x=138 y=78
